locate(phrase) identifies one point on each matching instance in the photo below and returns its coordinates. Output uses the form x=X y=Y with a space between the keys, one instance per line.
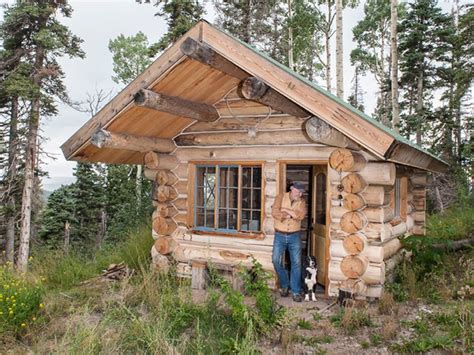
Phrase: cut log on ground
x=112 y=140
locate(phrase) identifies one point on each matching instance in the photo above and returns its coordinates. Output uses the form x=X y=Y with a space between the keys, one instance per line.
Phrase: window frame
x=400 y=198
x=193 y=188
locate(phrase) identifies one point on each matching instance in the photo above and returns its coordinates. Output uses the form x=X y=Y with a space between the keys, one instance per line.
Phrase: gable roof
x=169 y=68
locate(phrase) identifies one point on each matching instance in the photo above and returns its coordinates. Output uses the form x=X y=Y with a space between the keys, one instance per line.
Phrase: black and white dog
x=310 y=272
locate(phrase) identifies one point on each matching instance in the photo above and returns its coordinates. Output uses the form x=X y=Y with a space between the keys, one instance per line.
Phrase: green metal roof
x=341 y=102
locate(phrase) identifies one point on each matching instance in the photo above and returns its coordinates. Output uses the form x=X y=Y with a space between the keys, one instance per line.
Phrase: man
x=288 y=211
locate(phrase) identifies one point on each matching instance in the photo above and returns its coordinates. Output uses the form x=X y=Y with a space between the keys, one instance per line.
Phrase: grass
x=456 y=223
x=351 y=319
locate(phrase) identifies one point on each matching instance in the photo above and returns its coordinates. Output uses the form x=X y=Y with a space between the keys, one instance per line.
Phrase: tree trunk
x=291 y=64
x=30 y=165
x=419 y=109
x=11 y=179
x=394 y=70
x=339 y=51
x=328 y=49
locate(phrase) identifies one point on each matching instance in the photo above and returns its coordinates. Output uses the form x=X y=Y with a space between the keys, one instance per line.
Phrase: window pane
x=255 y=224
x=256 y=199
x=246 y=177
x=257 y=177
x=246 y=198
x=245 y=224
x=205 y=196
x=397 y=197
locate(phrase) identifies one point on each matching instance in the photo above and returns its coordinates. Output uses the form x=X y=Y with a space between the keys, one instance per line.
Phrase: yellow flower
x=34 y=318
x=23 y=324
x=30 y=258
x=41 y=305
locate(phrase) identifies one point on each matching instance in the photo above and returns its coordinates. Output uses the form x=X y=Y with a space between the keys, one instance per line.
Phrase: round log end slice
x=163 y=245
x=353 y=183
x=346 y=160
x=352 y=222
x=353 y=244
x=354 y=267
x=354 y=202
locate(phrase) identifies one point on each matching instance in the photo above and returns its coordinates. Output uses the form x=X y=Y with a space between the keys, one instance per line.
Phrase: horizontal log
x=243 y=138
x=353 y=183
x=111 y=140
x=155 y=161
x=181 y=219
x=399 y=230
x=409 y=223
x=255 y=89
x=379 y=214
x=352 y=222
x=208 y=56
x=181 y=187
x=354 y=202
x=347 y=160
x=320 y=132
x=164 y=193
x=372 y=291
x=176 y=106
x=163 y=226
x=164 y=210
x=391 y=248
x=354 y=266
x=262 y=153
x=374 y=273
x=181 y=171
x=166 y=177
x=164 y=245
x=419 y=216
x=181 y=203
x=232 y=124
x=378 y=231
x=419 y=179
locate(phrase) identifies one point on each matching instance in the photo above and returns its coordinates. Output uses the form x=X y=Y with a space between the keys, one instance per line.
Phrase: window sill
x=250 y=235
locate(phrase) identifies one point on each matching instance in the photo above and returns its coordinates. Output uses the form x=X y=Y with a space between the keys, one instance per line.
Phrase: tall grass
x=455 y=223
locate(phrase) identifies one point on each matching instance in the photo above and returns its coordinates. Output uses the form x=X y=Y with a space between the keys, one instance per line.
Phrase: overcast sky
x=96 y=22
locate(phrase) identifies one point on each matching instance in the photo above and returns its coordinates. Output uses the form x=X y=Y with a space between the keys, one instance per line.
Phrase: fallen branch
x=455 y=245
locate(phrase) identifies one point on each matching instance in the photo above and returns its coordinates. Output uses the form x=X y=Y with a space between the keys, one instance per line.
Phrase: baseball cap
x=298 y=185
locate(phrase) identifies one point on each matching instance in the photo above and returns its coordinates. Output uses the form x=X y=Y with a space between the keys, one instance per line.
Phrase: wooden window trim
x=192 y=166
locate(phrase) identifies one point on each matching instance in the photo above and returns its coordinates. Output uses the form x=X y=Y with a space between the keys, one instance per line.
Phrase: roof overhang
x=174 y=73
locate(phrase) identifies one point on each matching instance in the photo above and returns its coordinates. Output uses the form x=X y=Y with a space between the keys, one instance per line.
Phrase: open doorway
x=314 y=227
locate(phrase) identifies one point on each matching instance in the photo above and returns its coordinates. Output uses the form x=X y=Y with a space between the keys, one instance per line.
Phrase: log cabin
x=222 y=129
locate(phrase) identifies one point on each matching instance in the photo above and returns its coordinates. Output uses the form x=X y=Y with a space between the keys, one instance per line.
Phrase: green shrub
x=20 y=301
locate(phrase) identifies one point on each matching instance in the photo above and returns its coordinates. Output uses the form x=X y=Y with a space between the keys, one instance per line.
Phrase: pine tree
x=421 y=42
x=372 y=35
x=60 y=211
x=180 y=16
x=356 y=98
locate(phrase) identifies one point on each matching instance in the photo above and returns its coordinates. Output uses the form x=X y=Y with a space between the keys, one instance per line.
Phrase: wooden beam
x=176 y=106
x=170 y=58
x=107 y=139
x=208 y=56
x=282 y=137
x=320 y=132
x=254 y=89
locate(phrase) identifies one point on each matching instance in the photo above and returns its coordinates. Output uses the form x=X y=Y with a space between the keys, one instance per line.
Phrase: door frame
x=281 y=182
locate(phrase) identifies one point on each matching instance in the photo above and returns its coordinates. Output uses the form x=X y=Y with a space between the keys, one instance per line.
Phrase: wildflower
x=41 y=305
x=23 y=325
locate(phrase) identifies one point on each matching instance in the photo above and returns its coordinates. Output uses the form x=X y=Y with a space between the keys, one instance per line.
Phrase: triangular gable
x=370 y=134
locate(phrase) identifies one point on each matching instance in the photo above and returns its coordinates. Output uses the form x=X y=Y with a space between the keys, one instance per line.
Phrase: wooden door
x=318 y=220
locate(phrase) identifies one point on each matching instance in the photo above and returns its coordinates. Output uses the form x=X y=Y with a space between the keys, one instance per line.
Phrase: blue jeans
x=292 y=242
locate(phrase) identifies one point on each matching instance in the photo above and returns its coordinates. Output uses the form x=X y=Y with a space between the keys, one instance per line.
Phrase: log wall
x=363 y=233
x=364 y=230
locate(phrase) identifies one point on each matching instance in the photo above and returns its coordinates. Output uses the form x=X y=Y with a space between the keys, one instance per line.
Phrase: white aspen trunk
x=67 y=233
x=394 y=70
x=291 y=64
x=339 y=51
x=328 y=48
x=30 y=164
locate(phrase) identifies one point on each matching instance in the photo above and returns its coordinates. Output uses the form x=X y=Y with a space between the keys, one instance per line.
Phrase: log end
x=252 y=88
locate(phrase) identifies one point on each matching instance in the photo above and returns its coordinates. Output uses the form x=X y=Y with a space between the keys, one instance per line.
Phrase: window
x=228 y=198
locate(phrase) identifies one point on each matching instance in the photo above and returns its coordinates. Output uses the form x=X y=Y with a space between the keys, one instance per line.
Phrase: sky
x=98 y=21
